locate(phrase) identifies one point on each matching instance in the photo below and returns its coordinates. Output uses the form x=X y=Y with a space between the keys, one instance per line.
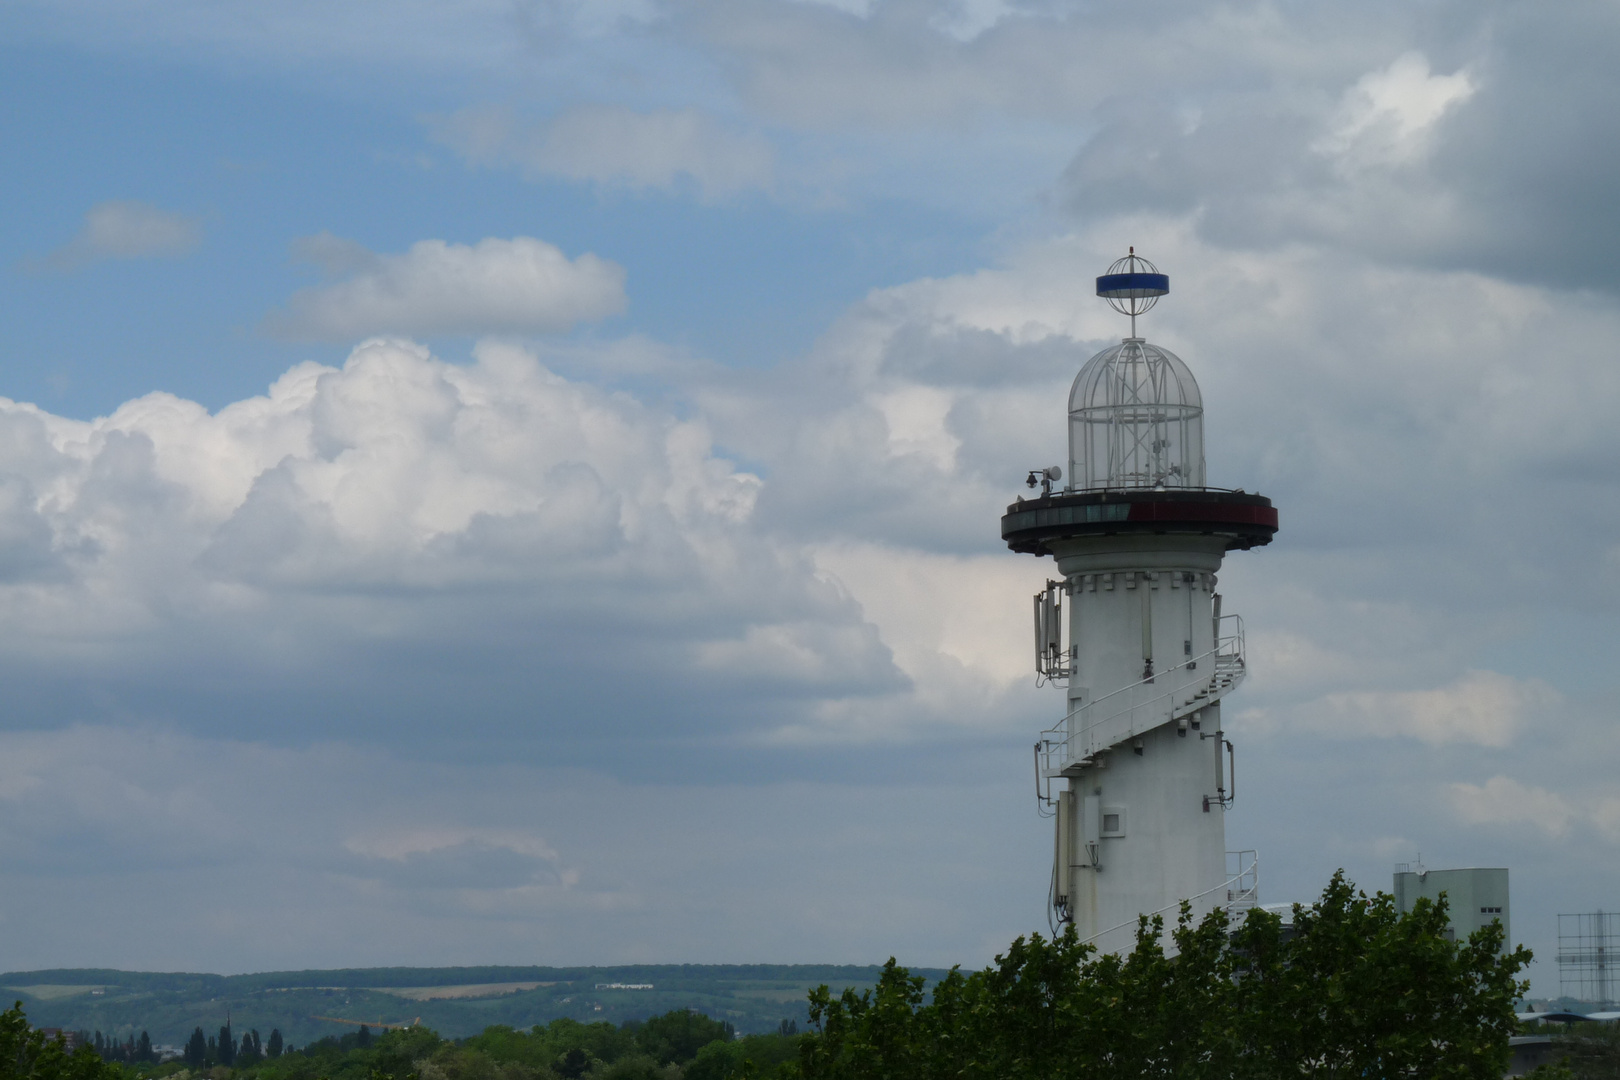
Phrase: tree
x=573 y=1064
x=1361 y=989
x=226 y=1045
x=1353 y=989
x=27 y=1054
x=363 y=1038
x=273 y=1047
x=143 y=1048
x=750 y=1055
x=678 y=1035
x=197 y=1049
x=250 y=1052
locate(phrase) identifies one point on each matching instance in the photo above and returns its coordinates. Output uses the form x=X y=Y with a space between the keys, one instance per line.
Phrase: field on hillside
x=306 y=1005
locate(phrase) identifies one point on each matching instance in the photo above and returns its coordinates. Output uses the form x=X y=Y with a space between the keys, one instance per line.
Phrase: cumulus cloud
x=1489 y=159
x=500 y=559
x=615 y=146
x=1368 y=213
x=402 y=845
x=520 y=286
x=1385 y=117
x=953 y=620
x=126 y=229
x=1502 y=800
x=1356 y=395
x=1482 y=707
x=463 y=858
x=457 y=519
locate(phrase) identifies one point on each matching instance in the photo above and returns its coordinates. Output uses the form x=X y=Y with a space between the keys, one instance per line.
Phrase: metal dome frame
x=1136 y=420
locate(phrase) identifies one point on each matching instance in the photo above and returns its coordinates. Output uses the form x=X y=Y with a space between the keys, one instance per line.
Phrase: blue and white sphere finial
x=1132 y=286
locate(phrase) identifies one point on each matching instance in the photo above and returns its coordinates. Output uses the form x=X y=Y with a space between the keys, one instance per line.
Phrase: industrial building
x=1476 y=896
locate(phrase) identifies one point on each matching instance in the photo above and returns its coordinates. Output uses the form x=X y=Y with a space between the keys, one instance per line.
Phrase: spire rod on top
x=1132 y=286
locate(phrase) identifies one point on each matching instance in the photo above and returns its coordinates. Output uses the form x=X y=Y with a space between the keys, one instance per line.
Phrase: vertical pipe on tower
x=1147 y=627
x=1063 y=858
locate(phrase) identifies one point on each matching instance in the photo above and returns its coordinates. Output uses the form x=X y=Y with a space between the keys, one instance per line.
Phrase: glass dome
x=1136 y=420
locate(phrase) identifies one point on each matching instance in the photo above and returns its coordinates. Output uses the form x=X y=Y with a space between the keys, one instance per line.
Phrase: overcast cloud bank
x=602 y=602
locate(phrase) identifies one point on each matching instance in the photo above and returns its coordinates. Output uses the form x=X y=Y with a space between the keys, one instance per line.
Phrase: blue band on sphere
x=1131 y=286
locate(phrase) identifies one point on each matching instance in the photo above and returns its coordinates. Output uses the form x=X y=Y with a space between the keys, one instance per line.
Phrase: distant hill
x=455 y=1002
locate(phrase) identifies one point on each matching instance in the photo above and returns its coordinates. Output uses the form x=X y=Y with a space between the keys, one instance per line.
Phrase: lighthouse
x=1138 y=773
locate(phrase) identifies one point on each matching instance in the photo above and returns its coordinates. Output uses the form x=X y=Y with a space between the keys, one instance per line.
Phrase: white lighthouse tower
x=1139 y=772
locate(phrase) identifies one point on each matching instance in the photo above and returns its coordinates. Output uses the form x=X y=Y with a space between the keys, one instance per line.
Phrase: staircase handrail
x=1234 y=639
x=1237 y=654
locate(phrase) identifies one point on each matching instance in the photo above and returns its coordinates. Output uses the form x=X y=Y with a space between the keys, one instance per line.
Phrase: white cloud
x=335 y=255
x=1482 y=707
x=496 y=556
x=503 y=557
x=916 y=417
x=1355 y=395
x=127 y=229
x=965 y=20
x=402 y=504
x=946 y=616
x=616 y=147
x=1384 y=118
x=401 y=845
x=1502 y=800
x=520 y=285
x=1606 y=817
x=858 y=8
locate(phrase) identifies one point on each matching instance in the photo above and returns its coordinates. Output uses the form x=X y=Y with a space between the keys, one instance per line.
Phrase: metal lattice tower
x=1588 y=954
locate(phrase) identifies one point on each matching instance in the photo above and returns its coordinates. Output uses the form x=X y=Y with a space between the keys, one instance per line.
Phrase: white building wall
x=1132 y=598
x=1475 y=895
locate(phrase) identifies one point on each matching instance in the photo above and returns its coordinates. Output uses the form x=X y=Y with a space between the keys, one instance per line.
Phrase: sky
x=518 y=481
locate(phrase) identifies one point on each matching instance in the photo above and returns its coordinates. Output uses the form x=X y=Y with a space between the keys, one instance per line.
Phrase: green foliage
x=565 y=1046
x=636 y=1067
x=750 y=1056
x=679 y=1035
x=26 y=1054
x=1360 y=989
x=1352 y=989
